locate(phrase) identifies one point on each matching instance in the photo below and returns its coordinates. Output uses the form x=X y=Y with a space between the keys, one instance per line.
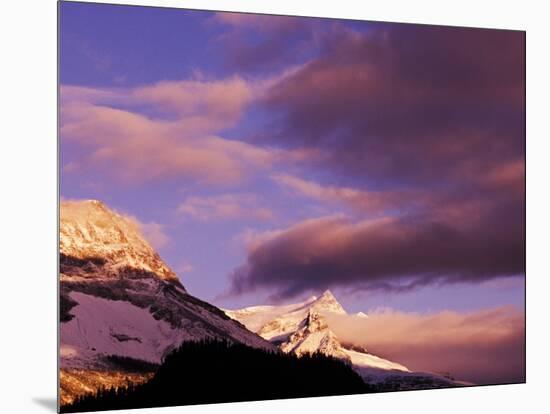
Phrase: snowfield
x=108 y=327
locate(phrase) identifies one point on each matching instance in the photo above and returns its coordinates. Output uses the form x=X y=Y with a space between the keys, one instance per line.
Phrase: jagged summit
x=328 y=294
x=314 y=335
x=277 y=323
x=88 y=229
x=304 y=328
x=328 y=303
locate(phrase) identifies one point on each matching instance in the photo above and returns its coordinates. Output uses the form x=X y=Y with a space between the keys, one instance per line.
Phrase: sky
x=269 y=158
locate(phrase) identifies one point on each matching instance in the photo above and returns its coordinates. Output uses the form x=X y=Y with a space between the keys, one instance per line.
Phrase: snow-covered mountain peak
x=328 y=295
x=303 y=328
x=277 y=322
x=313 y=336
x=327 y=303
x=88 y=229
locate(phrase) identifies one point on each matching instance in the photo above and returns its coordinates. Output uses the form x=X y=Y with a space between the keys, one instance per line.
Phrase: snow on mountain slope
x=118 y=299
x=277 y=323
x=313 y=335
x=365 y=360
x=255 y=317
x=132 y=332
x=302 y=328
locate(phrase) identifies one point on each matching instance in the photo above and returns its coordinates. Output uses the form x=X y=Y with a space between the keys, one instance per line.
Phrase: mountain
x=122 y=309
x=302 y=328
x=89 y=229
x=277 y=323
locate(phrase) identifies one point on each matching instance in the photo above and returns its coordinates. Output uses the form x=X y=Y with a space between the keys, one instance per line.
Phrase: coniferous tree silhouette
x=217 y=371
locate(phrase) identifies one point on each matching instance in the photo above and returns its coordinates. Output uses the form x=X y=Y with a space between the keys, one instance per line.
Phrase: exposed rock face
x=314 y=336
x=291 y=318
x=88 y=230
x=119 y=300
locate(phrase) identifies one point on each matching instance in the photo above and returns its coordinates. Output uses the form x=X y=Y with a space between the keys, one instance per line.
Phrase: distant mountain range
x=303 y=328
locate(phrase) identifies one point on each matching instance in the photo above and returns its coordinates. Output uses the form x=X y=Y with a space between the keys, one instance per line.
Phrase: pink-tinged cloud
x=155 y=234
x=185 y=268
x=390 y=253
x=183 y=142
x=222 y=99
x=361 y=200
x=225 y=207
x=483 y=347
x=508 y=176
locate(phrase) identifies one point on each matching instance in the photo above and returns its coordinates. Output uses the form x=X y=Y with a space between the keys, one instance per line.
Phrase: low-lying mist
x=483 y=347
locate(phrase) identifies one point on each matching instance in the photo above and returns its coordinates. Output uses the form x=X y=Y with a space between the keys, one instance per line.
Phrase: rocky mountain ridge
x=89 y=230
x=302 y=328
x=120 y=302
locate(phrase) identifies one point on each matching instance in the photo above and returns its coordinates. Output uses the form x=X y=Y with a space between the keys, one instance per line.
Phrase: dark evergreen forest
x=216 y=372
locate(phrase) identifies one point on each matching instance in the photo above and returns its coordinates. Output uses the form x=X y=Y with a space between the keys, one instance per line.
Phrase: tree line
x=213 y=371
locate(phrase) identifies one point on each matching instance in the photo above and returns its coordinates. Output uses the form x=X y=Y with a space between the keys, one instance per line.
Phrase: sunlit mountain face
x=122 y=309
x=291 y=186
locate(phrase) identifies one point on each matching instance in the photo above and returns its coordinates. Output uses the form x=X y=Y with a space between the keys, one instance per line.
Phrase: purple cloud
x=427 y=123
x=407 y=104
x=470 y=346
x=265 y=42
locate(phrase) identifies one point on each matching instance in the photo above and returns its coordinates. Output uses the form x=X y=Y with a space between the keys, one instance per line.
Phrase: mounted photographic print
x=258 y=207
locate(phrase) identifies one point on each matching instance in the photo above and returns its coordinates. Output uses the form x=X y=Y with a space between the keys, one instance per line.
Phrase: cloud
x=154 y=234
x=225 y=207
x=362 y=200
x=261 y=22
x=407 y=105
x=223 y=100
x=151 y=231
x=253 y=42
x=427 y=124
x=185 y=268
x=483 y=347
x=166 y=130
x=388 y=253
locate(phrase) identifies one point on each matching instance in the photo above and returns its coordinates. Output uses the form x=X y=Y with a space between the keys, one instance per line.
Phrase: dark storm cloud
x=474 y=244
x=408 y=103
